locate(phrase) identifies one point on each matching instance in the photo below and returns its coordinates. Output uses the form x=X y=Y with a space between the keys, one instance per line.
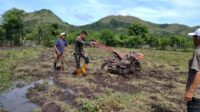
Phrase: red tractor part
x=121 y=63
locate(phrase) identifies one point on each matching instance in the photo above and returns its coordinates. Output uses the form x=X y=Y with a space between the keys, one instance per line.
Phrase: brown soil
x=110 y=80
x=115 y=82
x=51 y=107
x=102 y=80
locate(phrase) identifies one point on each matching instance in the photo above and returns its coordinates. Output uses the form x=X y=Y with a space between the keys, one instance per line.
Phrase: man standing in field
x=192 y=94
x=59 y=48
x=79 y=53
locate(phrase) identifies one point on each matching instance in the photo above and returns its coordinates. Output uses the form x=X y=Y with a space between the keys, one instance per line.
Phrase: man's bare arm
x=56 y=49
x=196 y=82
x=190 y=92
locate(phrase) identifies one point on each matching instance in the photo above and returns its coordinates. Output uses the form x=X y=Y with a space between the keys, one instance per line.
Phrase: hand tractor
x=123 y=64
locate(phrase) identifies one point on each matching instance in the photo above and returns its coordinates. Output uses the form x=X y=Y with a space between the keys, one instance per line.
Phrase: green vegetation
x=9 y=59
x=139 y=36
x=13 y=26
x=43 y=27
x=88 y=107
x=115 y=101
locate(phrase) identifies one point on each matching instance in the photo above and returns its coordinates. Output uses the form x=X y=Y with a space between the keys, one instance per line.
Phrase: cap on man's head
x=63 y=33
x=197 y=33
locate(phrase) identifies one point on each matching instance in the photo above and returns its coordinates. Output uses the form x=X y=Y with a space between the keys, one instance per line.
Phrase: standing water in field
x=15 y=100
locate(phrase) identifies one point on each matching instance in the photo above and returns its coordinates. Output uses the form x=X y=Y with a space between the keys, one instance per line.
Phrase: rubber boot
x=79 y=72
x=54 y=65
x=84 y=67
x=62 y=67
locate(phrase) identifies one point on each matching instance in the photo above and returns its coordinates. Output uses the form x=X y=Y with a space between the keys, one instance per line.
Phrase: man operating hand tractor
x=79 y=53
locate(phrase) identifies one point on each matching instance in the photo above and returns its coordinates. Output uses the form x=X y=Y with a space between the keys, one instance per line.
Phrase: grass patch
x=112 y=101
x=10 y=59
x=154 y=95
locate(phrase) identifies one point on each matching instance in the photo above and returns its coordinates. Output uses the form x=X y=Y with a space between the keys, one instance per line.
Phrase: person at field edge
x=192 y=94
x=79 y=53
x=59 y=48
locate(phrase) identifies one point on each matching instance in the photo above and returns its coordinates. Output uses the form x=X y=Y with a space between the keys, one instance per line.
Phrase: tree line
x=13 y=33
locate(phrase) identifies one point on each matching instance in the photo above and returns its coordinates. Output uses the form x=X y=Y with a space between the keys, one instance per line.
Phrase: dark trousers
x=194 y=105
x=78 y=57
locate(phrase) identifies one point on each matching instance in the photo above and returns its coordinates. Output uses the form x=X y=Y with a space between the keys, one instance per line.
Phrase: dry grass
x=153 y=93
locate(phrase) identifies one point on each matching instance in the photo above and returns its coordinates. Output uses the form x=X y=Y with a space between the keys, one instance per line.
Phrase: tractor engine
x=127 y=66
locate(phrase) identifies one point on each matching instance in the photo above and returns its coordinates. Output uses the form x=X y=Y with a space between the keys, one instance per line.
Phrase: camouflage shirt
x=78 y=45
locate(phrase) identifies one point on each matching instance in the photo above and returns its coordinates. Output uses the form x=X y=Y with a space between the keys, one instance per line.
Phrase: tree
x=44 y=34
x=2 y=35
x=107 y=37
x=54 y=29
x=94 y=36
x=165 y=42
x=13 y=25
x=154 y=41
x=137 y=29
x=135 y=41
x=138 y=35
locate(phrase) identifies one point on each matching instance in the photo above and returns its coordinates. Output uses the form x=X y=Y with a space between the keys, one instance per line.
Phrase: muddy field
x=158 y=88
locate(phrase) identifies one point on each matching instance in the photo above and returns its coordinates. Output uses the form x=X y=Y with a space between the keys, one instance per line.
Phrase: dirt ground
x=156 y=89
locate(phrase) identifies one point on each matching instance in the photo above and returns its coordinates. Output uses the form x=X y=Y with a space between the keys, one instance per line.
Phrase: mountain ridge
x=116 y=23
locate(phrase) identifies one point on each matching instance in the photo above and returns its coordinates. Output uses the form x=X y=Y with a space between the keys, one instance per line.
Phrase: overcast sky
x=81 y=12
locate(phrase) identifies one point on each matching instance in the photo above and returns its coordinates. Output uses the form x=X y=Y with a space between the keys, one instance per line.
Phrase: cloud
x=91 y=10
x=148 y=14
x=164 y=11
x=83 y=17
x=186 y=3
x=96 y=4
x=153 y=13
x=122 y=12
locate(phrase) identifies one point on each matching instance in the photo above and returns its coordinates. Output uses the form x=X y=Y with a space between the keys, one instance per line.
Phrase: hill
x=121 y=23
x=117 y=24
x=43 y=16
